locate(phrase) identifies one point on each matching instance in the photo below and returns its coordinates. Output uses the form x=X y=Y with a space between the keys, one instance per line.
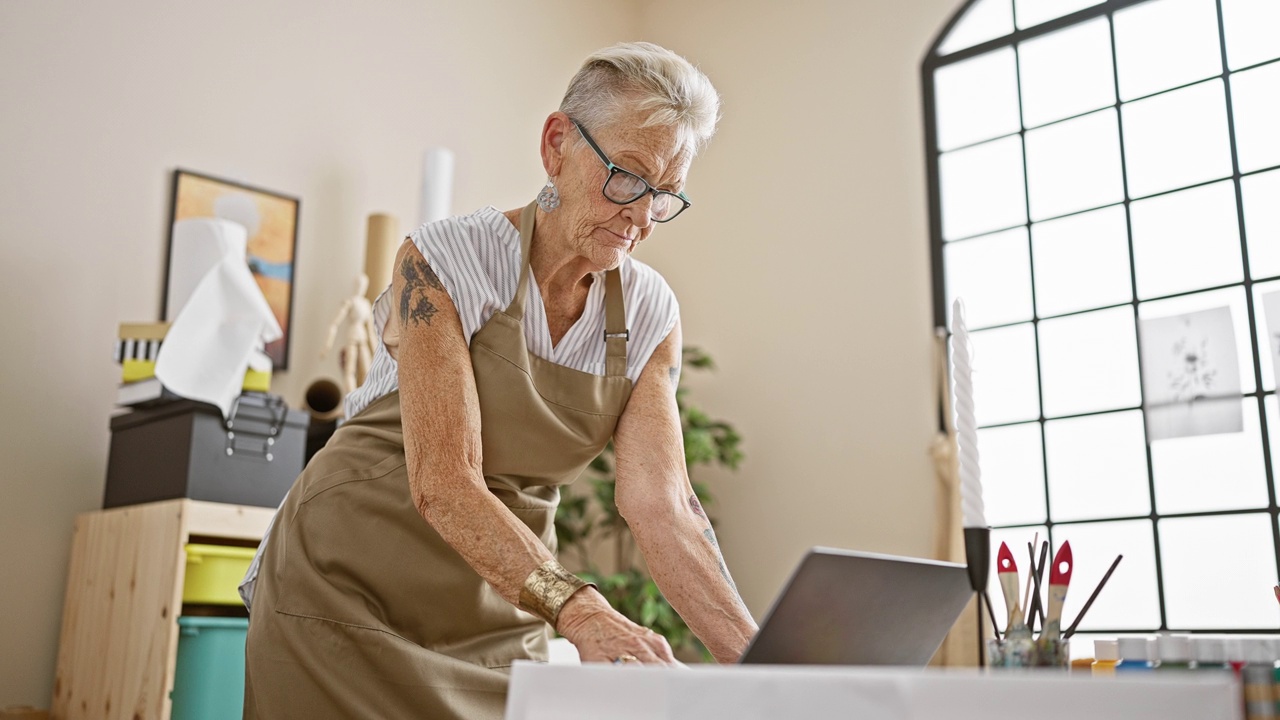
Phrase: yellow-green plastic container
x=208 y=680
x=214 y=572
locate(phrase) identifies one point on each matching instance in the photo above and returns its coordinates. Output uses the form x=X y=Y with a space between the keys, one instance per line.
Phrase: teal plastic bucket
x=208 y=681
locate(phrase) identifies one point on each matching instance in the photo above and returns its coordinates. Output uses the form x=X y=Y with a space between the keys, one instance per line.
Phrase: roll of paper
x=382 y=236
x=437 y=185
x=971 y=505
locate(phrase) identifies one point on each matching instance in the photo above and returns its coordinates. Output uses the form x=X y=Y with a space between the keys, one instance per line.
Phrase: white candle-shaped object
x=972 y=508
x=437 y=185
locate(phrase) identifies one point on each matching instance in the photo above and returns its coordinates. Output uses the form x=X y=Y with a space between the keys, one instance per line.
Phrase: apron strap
x=616 y=333
x=516 y=308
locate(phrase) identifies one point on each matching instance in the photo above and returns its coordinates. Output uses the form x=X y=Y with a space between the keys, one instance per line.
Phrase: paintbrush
x=1088 y=603
x=1026 y=595
x=1037 y=574
x=1007 y=571
x=1059 y=581
x=991 y=613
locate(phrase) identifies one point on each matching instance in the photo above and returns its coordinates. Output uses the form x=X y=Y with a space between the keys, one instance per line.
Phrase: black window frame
x=932 y=62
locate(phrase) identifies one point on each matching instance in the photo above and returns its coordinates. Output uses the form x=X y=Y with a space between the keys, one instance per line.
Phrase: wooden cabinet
x=124 y=594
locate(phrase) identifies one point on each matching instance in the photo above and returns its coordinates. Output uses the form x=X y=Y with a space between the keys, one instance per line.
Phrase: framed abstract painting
x=271 y=221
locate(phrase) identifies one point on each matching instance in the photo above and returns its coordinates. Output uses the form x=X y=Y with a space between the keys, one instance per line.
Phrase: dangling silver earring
x=549 y=198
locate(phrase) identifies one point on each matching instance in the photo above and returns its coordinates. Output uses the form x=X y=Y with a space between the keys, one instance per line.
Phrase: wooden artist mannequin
x=357 y=352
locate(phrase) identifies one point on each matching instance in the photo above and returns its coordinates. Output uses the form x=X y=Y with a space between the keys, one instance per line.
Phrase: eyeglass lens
x=624 y=187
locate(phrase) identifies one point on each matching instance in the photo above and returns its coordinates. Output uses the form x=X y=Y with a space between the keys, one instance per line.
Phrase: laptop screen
x=850 y=608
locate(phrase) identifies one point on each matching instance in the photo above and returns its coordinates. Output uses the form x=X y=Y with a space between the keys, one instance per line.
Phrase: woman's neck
x=562 y=275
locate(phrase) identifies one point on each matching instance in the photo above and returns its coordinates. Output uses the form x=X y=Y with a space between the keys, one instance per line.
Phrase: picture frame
x=272 y=221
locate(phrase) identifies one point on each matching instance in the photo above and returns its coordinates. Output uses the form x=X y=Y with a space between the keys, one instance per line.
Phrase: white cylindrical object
x=1174 y=648
x=972 y=508
x=1258 y=651
x=1209 y=650
x=1106 y=650
x=1135 y=648
x=1234 y=648
x=437 y=185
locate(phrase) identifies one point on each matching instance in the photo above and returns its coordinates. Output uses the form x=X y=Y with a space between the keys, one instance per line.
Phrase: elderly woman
x=413 y=560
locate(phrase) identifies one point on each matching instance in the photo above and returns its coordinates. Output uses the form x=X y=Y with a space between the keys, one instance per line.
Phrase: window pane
x=1074 y=165
x=1176 y=139
x=1129 y=599
x=1262 y=223
x=1066 y=73
x=1211 y=472
x=1012 y=474
x=984 y=20
x=1273 y=425
x=1166 y=43
x=993 y=275
x=1268 y=341
x=1255 y=98
x=1089 y=362
x=1082 y=261
x=1017 y=538
x=1004 y=375
x=1186 y=240
x=982 y=188
x=977 y=99
x=1034 y=12
x=1097 y=466
x=1218 y=572
x=1253 y=31
x=1230 y=297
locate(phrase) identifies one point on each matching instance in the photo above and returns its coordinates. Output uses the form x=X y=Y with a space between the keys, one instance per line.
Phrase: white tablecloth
x=595 y=692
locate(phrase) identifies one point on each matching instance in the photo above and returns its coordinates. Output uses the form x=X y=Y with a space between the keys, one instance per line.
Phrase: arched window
x=1105 y=195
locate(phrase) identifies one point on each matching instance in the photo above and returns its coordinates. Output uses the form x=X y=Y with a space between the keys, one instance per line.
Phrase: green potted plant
x=588 y=522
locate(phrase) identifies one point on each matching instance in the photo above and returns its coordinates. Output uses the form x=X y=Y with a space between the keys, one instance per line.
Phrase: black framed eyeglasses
x=625 y=187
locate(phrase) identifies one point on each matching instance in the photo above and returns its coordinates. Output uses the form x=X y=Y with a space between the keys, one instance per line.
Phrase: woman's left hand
x=602 y=634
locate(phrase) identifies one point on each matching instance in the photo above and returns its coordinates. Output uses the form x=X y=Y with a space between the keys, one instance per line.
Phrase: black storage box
x=184 y=449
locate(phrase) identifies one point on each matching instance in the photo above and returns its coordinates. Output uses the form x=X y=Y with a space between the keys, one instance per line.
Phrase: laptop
x=850 y=608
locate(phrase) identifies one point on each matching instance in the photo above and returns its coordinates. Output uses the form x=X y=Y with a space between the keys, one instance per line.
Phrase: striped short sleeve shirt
x=477 y=258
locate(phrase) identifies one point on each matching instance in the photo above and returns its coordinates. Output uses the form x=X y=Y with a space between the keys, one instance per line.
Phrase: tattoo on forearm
x=697 y=507
x=710 y=535
x=414 y=303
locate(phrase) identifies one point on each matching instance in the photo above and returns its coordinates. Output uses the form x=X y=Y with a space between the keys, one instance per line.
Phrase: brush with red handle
x=1059 y=581
x=1007 y=571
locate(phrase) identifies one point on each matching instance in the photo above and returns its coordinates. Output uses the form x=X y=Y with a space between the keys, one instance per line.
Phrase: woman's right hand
x=602 y=634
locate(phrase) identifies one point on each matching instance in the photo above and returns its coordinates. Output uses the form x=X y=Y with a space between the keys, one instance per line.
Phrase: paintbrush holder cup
x=1053 y=653
x=1024 y=652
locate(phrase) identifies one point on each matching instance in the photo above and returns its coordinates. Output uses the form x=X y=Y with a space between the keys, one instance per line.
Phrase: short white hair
x=643 y=76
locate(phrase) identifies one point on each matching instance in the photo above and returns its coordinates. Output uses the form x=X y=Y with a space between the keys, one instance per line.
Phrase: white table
x=595 y=691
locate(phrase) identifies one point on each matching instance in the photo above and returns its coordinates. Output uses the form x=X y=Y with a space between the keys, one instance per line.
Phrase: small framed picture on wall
x=271 y=221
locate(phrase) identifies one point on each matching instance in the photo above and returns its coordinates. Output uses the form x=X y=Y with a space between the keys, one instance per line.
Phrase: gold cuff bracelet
x=547 y=589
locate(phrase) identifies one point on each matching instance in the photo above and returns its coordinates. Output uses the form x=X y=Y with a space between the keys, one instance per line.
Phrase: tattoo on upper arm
x=414 y=303
x=674 y=372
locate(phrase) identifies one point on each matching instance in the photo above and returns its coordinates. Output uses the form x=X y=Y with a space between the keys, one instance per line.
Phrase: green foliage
x=583 y=525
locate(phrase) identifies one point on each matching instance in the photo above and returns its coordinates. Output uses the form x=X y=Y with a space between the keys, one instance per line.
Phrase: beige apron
x=361 y=609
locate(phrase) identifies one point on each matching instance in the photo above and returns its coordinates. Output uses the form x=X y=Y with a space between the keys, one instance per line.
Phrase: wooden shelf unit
x=119 y=637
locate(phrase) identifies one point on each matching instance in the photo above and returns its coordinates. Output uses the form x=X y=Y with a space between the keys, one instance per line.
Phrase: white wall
x=331 y=102
x=803 y=269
